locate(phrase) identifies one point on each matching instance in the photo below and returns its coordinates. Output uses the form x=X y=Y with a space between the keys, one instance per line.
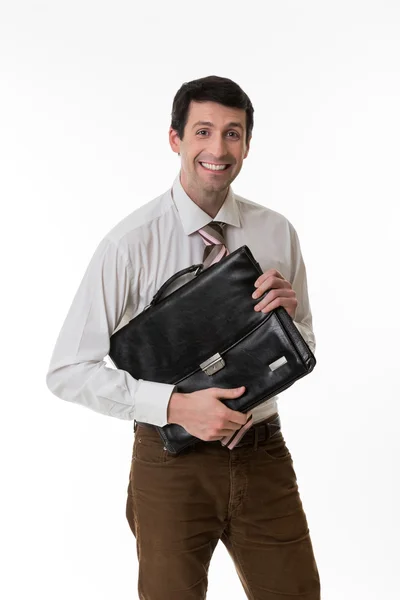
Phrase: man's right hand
x=203 y=415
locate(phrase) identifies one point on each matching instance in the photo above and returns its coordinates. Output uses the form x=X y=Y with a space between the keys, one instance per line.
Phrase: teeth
x=214 y=167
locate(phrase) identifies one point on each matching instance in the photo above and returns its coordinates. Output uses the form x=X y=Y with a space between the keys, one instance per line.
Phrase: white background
x=85 y=100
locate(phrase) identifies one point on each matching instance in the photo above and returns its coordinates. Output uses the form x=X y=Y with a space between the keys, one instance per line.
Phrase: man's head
x=211 y=122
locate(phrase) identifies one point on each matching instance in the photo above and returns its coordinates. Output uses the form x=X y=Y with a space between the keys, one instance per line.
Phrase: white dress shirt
x=128 y=267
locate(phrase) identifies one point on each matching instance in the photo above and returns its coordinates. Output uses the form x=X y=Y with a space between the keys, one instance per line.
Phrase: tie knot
x=213 y=233
x=217 y=226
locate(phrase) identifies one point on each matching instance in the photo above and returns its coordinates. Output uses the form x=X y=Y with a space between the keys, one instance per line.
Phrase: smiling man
x=212 y=151
x=237 y=484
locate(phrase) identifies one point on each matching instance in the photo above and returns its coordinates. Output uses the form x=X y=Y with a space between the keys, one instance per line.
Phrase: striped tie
x=215 y=244
x=214 y=251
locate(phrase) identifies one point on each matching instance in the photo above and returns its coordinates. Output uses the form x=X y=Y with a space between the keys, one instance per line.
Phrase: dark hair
x=210 y=89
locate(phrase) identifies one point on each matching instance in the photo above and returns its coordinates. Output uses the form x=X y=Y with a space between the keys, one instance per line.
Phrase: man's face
x=216 y=135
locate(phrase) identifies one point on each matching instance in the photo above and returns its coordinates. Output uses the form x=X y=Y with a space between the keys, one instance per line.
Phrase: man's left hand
x=280 y=294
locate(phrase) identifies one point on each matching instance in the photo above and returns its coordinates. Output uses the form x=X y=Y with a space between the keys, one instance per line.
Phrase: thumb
x=229 y=392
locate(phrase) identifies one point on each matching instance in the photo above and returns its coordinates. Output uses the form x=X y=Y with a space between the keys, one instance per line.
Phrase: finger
x=289 y=303
x=274 y=295
x=218 y=438
x=269 y=273
x=236 y=417
x=270 y=284
x=223 y=433
x=229 y=392
x=231 y=430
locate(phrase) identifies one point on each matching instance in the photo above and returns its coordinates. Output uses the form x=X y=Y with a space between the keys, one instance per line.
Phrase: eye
x=205 y=131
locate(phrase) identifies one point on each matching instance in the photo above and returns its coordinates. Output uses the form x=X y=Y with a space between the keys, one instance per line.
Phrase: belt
x=260 y=432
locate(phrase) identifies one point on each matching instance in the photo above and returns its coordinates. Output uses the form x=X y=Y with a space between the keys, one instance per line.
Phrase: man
x=180 y=506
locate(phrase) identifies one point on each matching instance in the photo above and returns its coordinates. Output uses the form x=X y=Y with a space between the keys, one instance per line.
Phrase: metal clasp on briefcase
x=213 y=364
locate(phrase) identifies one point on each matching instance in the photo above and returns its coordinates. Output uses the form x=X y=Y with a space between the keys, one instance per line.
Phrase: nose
x=217 y=147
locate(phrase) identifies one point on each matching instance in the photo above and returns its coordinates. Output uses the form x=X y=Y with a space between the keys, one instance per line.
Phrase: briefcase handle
x=198 y=268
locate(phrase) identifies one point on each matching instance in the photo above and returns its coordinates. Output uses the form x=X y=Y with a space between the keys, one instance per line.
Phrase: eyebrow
x=209 y=124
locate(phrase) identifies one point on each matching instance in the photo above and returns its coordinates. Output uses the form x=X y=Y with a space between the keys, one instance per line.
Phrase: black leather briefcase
x=207 y=334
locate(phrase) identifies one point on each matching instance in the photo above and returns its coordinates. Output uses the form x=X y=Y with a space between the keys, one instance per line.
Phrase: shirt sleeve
x=303 y=317
x=77 y=371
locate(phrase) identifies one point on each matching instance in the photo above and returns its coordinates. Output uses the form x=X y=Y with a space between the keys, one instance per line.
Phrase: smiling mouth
x=213 y=168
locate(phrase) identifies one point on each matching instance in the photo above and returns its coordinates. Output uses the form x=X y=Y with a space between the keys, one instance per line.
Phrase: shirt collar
x=193 y=217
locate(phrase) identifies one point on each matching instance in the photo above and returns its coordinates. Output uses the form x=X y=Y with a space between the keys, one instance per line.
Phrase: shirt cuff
x=304 y=330
x=151 y=402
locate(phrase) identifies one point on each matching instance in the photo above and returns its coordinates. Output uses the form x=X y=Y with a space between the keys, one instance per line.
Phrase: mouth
x=214 y=167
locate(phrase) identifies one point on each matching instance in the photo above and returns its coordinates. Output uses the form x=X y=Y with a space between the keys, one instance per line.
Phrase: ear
x=174 y=140
x=248 y=148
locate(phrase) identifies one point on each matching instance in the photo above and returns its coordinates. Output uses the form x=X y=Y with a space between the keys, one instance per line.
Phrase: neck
x=209 y=201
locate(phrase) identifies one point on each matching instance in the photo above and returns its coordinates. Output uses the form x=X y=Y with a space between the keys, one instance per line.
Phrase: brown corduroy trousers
x=180 y=506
